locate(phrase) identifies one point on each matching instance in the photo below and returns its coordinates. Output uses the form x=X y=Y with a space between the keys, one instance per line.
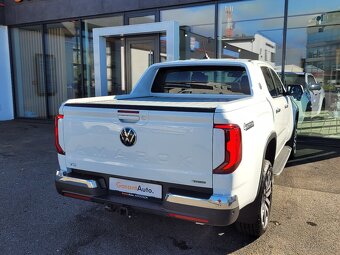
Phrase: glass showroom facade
x=53 y=62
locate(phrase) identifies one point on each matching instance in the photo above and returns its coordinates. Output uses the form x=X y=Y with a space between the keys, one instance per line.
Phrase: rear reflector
x=233 y=148
x=56 y=134
x=183 y=217
x=81 y=197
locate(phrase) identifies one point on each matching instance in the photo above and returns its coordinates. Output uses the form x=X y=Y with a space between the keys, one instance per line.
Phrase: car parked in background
x=307 y=93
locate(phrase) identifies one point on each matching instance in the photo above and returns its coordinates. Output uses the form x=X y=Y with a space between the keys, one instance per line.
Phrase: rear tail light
x=76 y=196
x=56 y=134
x=233 y=148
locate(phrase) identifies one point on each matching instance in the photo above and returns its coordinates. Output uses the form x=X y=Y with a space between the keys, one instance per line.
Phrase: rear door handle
x=286 y=106
x=278 y=110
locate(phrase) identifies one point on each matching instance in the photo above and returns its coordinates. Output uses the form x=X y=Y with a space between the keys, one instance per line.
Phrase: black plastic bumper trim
x=164 y=208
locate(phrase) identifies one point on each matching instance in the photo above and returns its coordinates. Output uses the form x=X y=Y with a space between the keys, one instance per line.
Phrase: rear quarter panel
x=244 y=181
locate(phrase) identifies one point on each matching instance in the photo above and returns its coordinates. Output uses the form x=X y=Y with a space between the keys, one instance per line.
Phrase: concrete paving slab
x=302 y=222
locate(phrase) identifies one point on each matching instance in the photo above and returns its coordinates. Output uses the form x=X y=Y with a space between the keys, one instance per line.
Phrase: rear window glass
x=202 y=80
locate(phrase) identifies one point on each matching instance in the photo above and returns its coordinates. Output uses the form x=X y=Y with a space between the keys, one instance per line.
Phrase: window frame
x=278 y=86
x=311 y=77
x=206 y=67
x=271 y=77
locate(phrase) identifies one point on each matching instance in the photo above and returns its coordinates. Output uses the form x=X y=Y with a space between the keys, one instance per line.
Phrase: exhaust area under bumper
x=218 y=210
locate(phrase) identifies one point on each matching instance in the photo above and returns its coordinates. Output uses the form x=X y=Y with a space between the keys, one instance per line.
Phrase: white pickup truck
x=196 y=140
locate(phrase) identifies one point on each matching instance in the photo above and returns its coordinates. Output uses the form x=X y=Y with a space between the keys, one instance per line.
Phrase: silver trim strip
x=91 y=184
x=219 y=202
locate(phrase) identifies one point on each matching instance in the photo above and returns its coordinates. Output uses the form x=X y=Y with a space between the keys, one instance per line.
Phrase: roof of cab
x=207 y=62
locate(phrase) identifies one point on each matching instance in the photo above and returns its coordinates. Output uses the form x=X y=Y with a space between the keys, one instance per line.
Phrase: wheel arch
x=268 y=154
x=270 y=149
x=248 y=213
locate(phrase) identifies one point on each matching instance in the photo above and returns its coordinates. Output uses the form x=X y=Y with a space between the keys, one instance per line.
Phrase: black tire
x=292 y=143
x=323 y=107
x=261 y=207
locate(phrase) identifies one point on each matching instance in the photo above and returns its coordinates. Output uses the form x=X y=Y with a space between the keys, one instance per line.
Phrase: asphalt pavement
x=34 y=219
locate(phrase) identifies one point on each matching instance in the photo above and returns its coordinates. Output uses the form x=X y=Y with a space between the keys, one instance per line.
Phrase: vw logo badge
x=128 y=136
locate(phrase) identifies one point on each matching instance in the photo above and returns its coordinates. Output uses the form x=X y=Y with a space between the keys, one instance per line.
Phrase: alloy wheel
x=266 y=199
x=294 y=141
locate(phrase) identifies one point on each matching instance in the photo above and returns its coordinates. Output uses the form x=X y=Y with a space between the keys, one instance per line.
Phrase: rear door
x=166 y=146
x=286 y=110
x=280 y=105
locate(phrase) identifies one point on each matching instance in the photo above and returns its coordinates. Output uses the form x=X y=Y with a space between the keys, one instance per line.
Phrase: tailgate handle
x=125 y=118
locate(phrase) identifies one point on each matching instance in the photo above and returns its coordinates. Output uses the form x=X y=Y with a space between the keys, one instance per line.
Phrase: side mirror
x=296 y=91
x=315 y=87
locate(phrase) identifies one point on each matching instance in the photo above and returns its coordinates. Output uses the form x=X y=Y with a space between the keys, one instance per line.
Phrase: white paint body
x=174 y=146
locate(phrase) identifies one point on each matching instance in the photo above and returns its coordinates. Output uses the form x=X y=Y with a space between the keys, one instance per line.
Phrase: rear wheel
x=260 y=207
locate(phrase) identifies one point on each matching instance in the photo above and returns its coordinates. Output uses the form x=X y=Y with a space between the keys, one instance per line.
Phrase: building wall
x=38 y=10
x=265 y=48
x=260 y=45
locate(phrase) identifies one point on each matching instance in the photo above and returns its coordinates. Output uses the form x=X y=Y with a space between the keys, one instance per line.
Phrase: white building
x=258 y=44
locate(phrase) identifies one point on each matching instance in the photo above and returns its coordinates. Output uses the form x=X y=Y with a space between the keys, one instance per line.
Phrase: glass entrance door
x=127 y=58
x=141 y=52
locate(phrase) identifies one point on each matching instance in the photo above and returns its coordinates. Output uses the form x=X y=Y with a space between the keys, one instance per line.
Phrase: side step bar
x=281 y=160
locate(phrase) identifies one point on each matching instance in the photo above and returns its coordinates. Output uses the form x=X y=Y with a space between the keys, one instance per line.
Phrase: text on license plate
x=137 y=188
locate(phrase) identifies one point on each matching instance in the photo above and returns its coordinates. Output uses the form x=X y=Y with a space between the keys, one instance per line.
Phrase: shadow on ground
x=147 y=234
x=309 y=153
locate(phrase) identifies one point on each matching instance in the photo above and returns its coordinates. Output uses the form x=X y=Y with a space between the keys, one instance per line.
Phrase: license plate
x=136 y=189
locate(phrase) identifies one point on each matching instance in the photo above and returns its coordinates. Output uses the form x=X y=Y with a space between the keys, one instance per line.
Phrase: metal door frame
x=171 y=29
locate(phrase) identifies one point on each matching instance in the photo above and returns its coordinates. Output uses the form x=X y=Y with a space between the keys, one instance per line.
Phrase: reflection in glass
x=216 y=80
x=197 y=30
x=163 y=56
x=141 y=52
x=255 y=34
x=29 y=75
x=313 y=47
x=89 y=25
x=142 y=19
x=141 y=57
x=115 y=66
x=63 y=63
x=311 y=6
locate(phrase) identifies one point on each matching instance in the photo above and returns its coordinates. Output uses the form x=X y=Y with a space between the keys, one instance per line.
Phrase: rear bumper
x=218 y=210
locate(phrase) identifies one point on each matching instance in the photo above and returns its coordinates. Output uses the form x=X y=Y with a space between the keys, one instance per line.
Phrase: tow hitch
x=121 y=210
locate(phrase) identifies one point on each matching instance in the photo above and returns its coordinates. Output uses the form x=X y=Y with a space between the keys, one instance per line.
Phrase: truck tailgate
x=168 y=145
